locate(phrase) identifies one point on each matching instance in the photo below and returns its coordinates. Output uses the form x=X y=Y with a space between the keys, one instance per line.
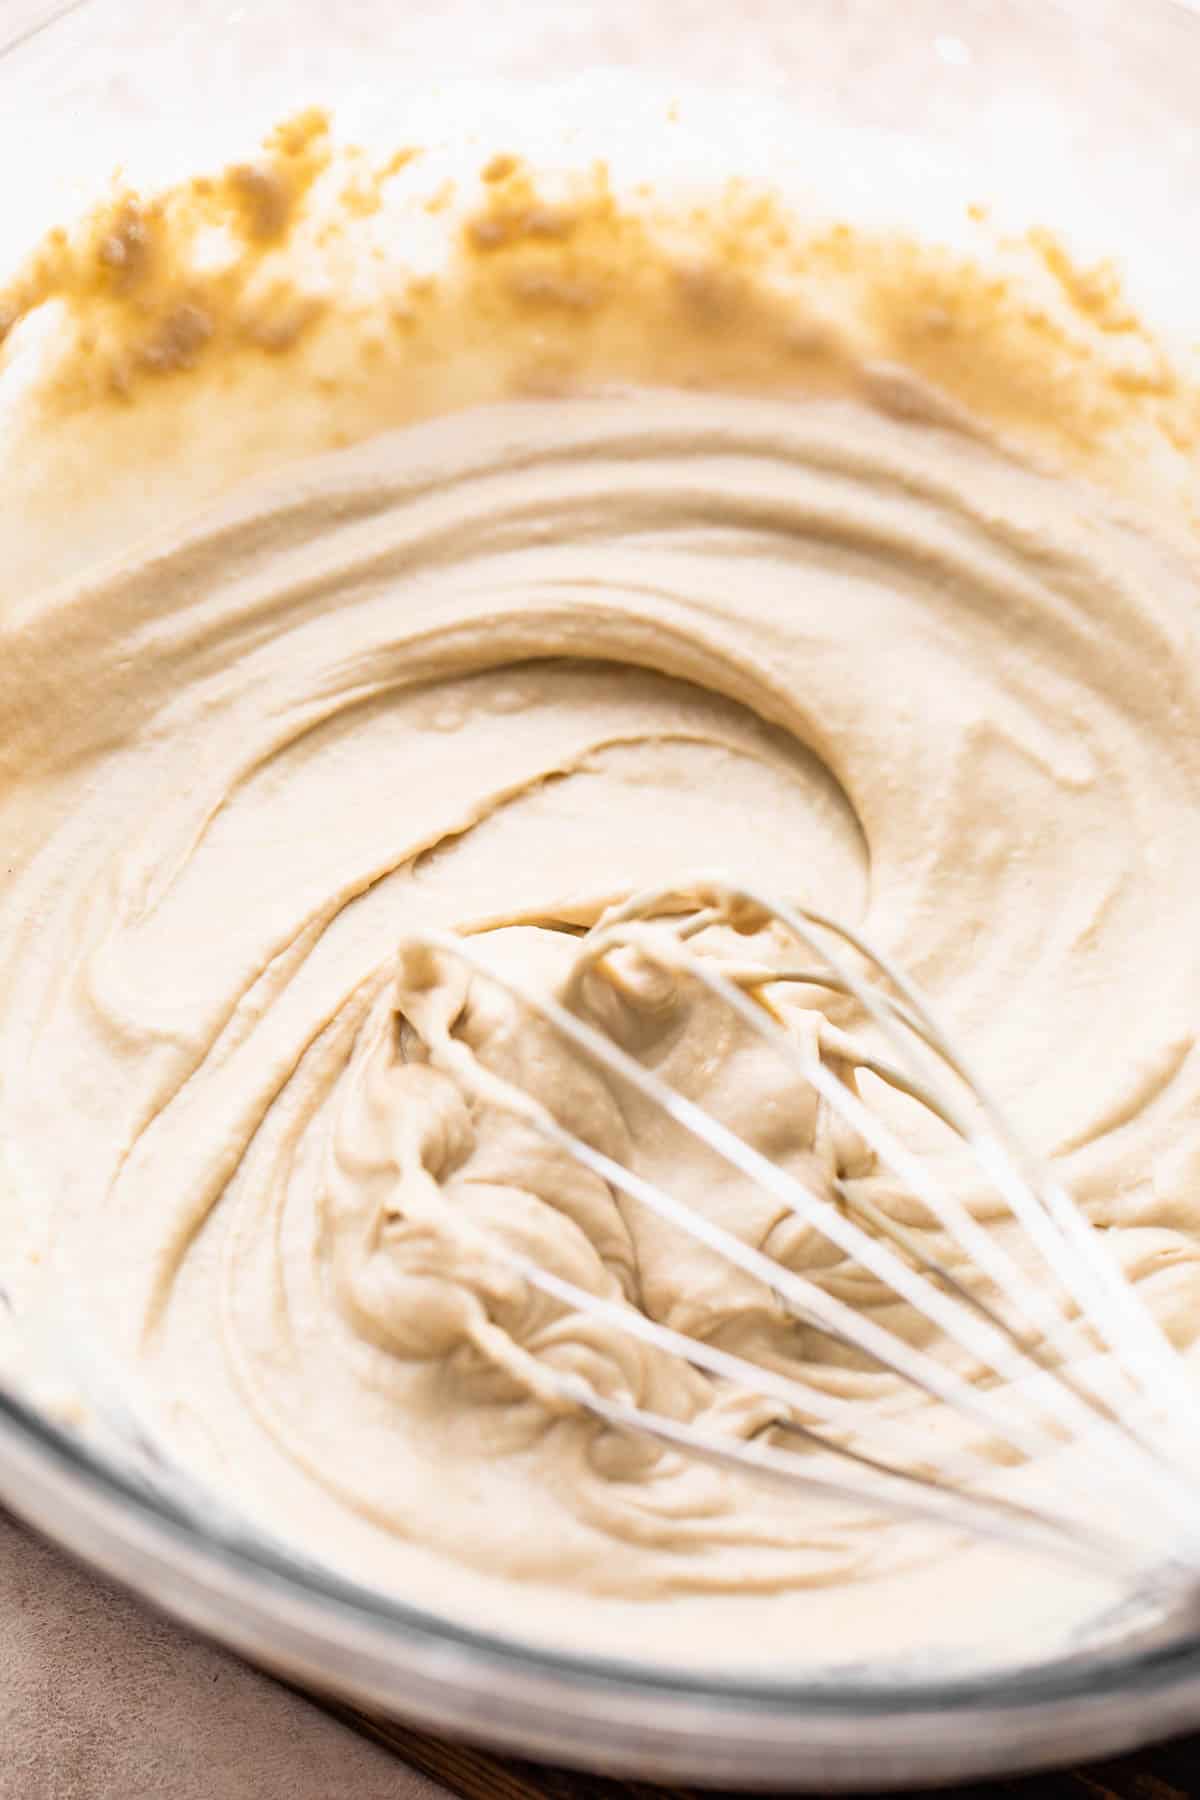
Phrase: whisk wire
x=1038 y=1202
x=1064 y=1239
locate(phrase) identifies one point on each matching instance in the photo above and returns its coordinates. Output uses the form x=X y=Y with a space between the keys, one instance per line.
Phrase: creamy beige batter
x=491 y=673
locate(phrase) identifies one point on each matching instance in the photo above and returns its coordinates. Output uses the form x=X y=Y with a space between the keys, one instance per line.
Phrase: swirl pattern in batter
x=491 y=674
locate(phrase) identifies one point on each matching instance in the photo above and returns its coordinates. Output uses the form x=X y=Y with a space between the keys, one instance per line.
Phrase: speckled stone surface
x=102 y=1700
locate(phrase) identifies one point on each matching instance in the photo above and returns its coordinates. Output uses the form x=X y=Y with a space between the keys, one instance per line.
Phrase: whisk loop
x=1029 y=1399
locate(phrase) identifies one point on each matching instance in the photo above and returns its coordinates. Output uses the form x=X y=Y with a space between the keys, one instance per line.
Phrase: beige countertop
x=102 y=1700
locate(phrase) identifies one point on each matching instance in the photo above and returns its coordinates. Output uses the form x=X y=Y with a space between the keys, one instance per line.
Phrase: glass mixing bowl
x=1084 y=111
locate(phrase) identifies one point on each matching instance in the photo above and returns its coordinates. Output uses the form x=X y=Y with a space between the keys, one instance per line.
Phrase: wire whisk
x=1030 y=1332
